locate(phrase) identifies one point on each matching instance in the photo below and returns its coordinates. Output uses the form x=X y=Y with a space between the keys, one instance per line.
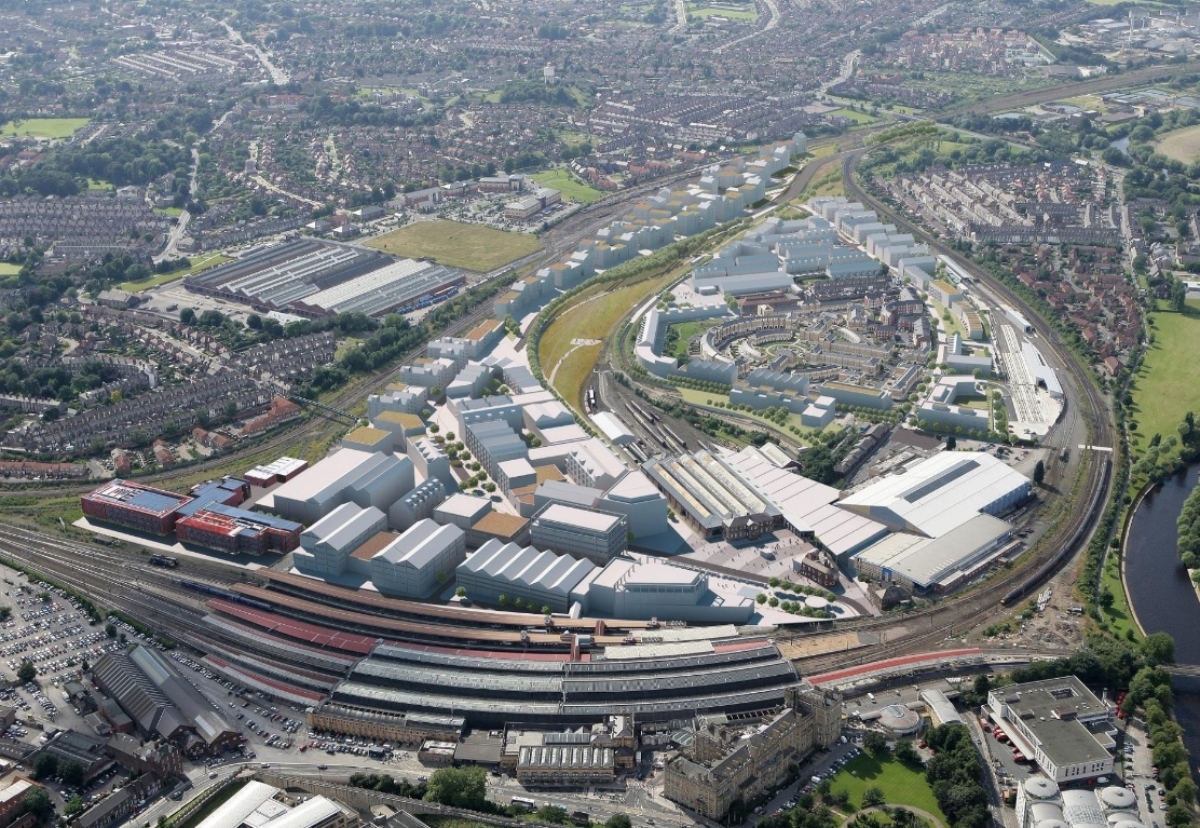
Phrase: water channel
x=1161 y=592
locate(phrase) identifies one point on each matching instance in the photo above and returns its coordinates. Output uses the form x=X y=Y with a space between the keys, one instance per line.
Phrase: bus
x=524 y=802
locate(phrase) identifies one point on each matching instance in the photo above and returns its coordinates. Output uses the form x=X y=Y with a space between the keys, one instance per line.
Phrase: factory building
x=575 y=531
x=134 y=506
x=537 y=578
x=278 y=471
x=1060 y=724
x=347 y=475
x=414 y=564
x=711 y=495
x=400 y=286
x=937 y=495
x=328 y=543
x=935 y=564
x=627 y=589
x=258 y=805
x=148 y=688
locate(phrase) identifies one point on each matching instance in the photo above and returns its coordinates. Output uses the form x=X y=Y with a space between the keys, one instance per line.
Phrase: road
x=772 y=22
x=179 y=230
x=278 y=76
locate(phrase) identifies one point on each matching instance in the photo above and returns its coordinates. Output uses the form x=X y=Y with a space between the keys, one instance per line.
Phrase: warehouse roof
x=938 y=494
x=928 y=561
x=527 y=567
x=421 y=544
x=335 y=470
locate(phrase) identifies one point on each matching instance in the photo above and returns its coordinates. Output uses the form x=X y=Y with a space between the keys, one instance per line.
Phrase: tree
x=26 y=672
x=872 y=797
x=875 y=743
x=458 y=788
x=74 y=806
x=37 y=802
x=461 y=592
x=187 y=316
x=619 y=821
x=1039 y=473
x=110 y=630
x=552 y=813
x=906 y=753
x=71 y=773
x=44 y=766
x=1159 y=648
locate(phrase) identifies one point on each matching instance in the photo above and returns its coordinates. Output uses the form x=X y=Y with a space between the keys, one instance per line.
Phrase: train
x=209 y=589
x=1049 y=567
x=164 y=560
x=432 y=299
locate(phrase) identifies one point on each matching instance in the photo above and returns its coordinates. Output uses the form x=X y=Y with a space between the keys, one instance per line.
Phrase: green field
x=686 y=331
x=161 y=279
x=469 y=246
x=572 y=188
x=901 y=785
x=45 y=127
x=707 y=399
x=9 y=269
x=1168 y=385
x=1182 y=145
x=702 y=11
x=853 y=115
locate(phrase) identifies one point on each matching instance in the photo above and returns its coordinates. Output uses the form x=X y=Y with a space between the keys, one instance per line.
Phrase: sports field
x=572 y=188
x=45 y=127
x=901 y=785
x=1181 y=145
x=469 y=246
x=1168 y=386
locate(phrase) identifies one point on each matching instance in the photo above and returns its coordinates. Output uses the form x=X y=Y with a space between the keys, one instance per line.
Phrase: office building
x=583 y=532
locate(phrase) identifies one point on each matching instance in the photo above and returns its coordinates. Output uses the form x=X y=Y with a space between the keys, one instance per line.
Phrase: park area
x=202 y=263
x=1182 y=145
x=44 y=127
x=452 y=243
x=571 y=187
x=1168 y=385
x=901 y=785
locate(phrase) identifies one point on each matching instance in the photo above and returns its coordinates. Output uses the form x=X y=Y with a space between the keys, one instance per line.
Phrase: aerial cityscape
x=644 y=414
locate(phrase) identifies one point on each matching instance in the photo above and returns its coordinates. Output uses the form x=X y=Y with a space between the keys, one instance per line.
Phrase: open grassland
x=469 y=246
x=45 y=127
x=855 y=116
x=572 y=188
x=702 y=10
x=1168 y=385
x=708 y=400
x=9 y=269
x=203 y=263
x=1182 y=145
x=594 y=316
x=901 y=785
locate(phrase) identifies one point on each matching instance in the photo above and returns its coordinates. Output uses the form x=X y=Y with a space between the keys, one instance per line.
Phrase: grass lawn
x=99 y=184
x=1119 y=616
x=901 y=785
x=45 y=127
x=594 y=319
x=161 y=279
x=1168 y=386
x=1182 y=144
x=853 y=115
x=686 y=331
x=572 y=188
x=469 y=246
x=700 y=399
x=698 y=10
x=169 y=211
x=9 y=269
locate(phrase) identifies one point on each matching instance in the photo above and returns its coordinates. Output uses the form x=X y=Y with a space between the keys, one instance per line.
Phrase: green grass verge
x=571 y=187
x=161 y=279
x=708 y=400
x=1168 y=384
x=1119 y=616
x=901 y=785
x=9 y=269
x=698 y=10
x=45 y=127
x=469 y=246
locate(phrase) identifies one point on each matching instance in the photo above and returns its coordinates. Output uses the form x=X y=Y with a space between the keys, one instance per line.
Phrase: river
x=1160 y=591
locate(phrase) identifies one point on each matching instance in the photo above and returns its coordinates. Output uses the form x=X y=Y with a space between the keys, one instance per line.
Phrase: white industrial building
x=348 y=475
x=938 y=495
x=643 y=505
x=1043 y=375
x=416 y=505
x=938 y=564
x=574 y=531
x=325 y=546
x=634 y=590
x=258 y=805
x=615 y=431
x=591 y=463
x=462 y=510
x=537 y=578
x=1060 y=724
x=819 y=413
x=1042 y=804
x=414 y=564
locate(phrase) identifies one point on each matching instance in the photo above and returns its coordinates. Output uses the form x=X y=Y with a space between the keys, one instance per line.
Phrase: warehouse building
x=148 y=688
x=132 y=505
x=328 y=543
x=935 y=564
x=712 y=496
x=591 y=463
x=414 y=564
x=938 y=495
x=347 y=475
x=1060 y=724
x=278 y=471
x=571 y=530
x=462 y=510
x=401 y=287
x=627 y=589
x=537 y=578
x=643 y=506
x=277 y=277
x=417 y=505
x=258 y=805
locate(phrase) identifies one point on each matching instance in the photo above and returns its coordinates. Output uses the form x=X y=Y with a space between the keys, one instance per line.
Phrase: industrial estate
x=648 y=415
